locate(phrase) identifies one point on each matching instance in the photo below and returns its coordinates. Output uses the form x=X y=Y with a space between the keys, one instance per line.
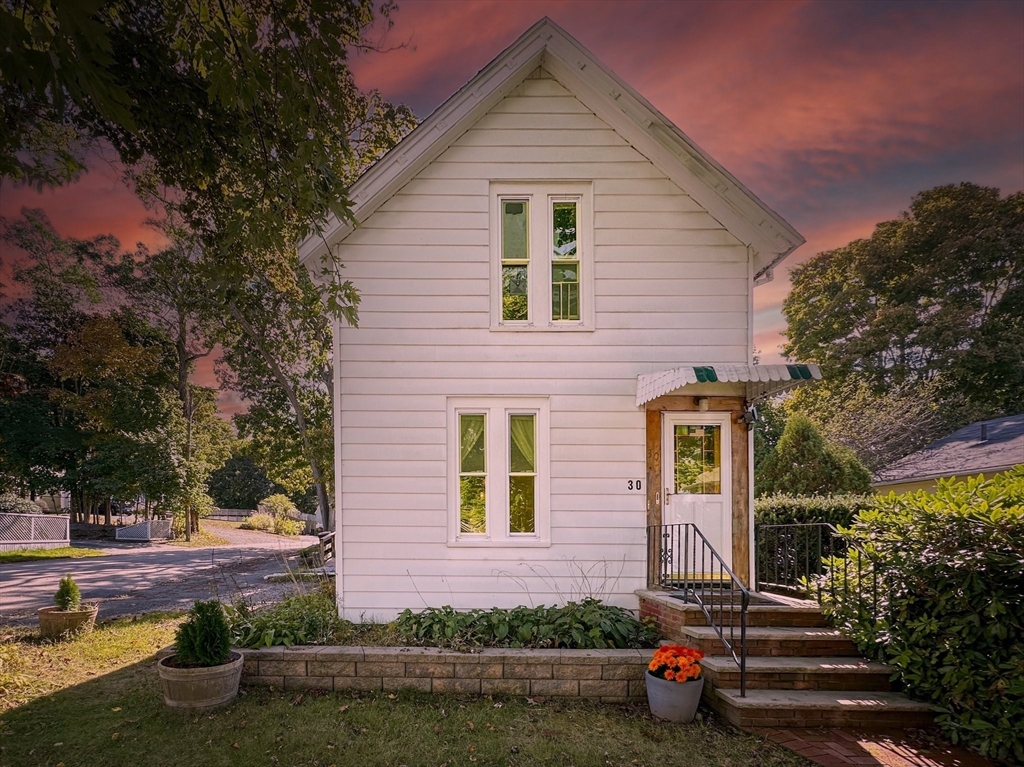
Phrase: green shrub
x=15 y=504
x=258 y=520
x=304 y=619
x=204 y=639
x=805 y=463
x=782 y=509
x=950 y=568
x=279 y=505
x=68 y=597
x=285 y=526
x=584 y=625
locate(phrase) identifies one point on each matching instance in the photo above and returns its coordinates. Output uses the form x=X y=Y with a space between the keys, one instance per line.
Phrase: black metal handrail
x=679 y=558
x=816 y=561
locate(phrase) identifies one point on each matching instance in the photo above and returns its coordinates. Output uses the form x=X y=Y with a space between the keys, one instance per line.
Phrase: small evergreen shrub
x=204 y=639
x=258 y=520
x=68 y=597
x=285 y=526
x=803 y=462
x=782 y=509
x=15 y=504
x=950 y=582
x=576 y=625
x=303 y=619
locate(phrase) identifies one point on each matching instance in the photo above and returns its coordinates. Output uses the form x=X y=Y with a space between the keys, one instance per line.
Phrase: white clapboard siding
x=671 y=288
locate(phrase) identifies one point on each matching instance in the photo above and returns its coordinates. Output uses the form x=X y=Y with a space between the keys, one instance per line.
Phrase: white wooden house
x=556 y=302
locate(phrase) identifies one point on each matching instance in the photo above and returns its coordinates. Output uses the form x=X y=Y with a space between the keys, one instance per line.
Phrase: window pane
x=472 y=505
x=472 y=438
x=563 y=235
x=698 y=459
x=521 y=504
x=565 y=291
x=514 y=288
x=514 y=229
x=522 y=450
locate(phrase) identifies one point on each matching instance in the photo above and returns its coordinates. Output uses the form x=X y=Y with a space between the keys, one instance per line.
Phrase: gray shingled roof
x=963 y=452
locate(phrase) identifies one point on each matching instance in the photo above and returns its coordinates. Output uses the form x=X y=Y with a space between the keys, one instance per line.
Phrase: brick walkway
x=844 y=748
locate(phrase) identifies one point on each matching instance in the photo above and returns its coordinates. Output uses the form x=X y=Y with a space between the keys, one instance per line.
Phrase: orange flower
x=675 y=662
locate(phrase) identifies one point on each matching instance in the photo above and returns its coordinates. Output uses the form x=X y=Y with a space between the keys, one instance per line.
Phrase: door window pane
x=697 y=459
x=472 y=473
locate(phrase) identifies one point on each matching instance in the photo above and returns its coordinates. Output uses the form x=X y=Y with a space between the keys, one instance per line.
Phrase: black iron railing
x=815 y=561
x=789 y=559
x=679 y=558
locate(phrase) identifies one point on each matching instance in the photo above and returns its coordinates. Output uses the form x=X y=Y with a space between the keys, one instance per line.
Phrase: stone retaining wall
x=611 y=676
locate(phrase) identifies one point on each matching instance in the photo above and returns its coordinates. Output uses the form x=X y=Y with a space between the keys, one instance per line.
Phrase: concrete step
x=793 y=673
x=757 y=615
x=811 y=708
x=796 y=641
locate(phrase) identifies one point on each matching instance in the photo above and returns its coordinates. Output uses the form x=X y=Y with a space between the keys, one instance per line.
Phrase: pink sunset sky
x=835 y=114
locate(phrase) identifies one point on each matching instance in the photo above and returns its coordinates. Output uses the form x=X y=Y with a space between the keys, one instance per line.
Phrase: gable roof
x=985 y=446
x=546 y=44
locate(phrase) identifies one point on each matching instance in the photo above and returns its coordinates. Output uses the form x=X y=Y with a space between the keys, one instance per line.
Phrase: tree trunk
x=300 y=417
x=106 y=513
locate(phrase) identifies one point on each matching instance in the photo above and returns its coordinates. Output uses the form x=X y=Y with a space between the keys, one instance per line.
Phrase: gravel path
x=138 y=578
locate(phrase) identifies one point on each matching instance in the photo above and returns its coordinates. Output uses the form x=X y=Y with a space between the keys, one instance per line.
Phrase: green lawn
x=95 y=701
x=30 y=555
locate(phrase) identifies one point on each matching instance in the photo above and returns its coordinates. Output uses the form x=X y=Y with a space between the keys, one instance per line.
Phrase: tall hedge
x=783 y=509
x=950 y=566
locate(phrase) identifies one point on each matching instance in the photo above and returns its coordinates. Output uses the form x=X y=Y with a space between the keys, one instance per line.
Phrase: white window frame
x=497 y=411
x=541 y=195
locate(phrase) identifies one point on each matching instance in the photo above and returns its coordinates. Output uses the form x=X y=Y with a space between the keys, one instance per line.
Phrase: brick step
x=796 y=641
x=812 y=708
x=786 y=673
x=757 y=615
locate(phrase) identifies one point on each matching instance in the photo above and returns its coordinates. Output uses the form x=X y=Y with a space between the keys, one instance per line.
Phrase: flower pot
x=54 y=623
x=671 y=700
x=200 y=687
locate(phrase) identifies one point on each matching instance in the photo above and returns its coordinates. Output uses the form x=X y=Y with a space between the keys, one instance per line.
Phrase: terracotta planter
x=54 y=623
x=200 y=687
x=673 y=701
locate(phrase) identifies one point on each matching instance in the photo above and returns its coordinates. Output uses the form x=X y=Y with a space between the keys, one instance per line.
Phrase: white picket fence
x=34 y=531
x=147 y=530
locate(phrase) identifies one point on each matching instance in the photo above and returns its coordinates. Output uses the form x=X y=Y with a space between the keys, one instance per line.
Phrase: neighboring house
x=985 y=447
x=556 y=303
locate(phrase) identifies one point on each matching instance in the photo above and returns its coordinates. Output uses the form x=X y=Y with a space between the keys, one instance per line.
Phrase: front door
x=697 y=476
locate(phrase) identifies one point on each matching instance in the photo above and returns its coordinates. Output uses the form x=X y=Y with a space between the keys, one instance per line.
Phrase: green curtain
x=522 y=432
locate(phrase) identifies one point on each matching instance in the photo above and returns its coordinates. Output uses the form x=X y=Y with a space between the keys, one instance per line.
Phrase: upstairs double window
x=542 y=264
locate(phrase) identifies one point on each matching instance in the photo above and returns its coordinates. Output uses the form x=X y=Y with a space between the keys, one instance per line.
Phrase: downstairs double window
x=498 y=477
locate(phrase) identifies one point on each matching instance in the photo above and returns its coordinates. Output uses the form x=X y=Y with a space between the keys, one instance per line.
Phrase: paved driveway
x=137 y=578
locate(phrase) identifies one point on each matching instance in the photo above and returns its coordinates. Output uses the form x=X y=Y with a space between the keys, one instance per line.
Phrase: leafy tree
x=278 y=356
x=804 y=463
x=242 y=118
x=934 y=296
x=771 y=420
x=240 y=484
x=879 y=427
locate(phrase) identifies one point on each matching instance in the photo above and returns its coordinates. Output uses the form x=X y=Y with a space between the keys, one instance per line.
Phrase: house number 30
x=634 y=484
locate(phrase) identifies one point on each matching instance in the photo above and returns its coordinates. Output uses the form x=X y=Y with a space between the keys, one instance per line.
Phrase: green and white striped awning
x=761 y=380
